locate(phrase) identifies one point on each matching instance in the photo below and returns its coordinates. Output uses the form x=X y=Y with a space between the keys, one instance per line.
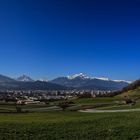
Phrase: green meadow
x=70 y=126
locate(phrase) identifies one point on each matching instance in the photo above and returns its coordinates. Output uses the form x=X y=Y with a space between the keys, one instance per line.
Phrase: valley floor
x=48 y=122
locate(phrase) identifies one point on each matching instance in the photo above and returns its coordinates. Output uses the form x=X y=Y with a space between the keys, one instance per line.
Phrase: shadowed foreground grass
x=70 y=126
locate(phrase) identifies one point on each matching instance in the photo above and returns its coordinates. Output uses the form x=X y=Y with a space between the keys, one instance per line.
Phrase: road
x=108 y=111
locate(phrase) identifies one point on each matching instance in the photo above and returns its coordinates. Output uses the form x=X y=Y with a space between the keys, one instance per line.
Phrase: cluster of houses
x=40 y=97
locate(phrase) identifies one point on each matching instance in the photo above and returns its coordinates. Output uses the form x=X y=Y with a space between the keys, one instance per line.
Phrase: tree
x=18 y=108
x=64 y=105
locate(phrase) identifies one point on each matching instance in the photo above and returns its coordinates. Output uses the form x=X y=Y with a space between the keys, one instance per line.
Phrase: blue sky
x=50 y=38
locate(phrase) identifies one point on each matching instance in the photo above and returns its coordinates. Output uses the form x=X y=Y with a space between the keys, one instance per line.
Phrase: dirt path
x=108 y=111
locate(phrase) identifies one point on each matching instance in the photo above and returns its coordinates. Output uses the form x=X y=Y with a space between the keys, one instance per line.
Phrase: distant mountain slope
x=38 y=85
x=82 y=81
x=4 y=79
x=7 y=83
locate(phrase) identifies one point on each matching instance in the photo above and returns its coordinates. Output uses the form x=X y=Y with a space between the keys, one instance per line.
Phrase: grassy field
x=70 y=126
x=89 y=101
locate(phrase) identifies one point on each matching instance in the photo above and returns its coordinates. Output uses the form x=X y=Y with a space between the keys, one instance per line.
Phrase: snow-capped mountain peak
x=83 y=76
x=82 y=81
x=80 y=75
x=25 y=78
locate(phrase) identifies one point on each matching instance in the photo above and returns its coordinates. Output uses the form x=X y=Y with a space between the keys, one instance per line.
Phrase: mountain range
x=26 y=83
x=82 y=81
x=77 y=81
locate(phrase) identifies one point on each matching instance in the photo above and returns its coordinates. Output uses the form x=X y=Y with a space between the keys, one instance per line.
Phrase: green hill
x=131 y=93
x=132 y=90
x=132 y=86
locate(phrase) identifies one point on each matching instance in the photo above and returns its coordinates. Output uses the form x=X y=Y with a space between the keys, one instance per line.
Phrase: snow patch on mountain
x=43 y=79
x=129 y=82
x=101 y=78
x=80 y=75
x=25 y=78
x=83 y=76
